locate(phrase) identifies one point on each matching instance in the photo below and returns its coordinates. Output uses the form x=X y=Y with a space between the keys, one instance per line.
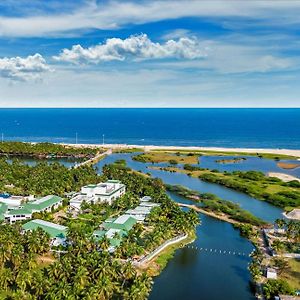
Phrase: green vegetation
x=128 y=150
x=81 y=273
x=231 y=161
x=85 y=270
x=257 y=185
x=45 y=150
x=172 y=158
x=232 y=153
x=164 y=222
x=253 y=183
x=288 y=240
x=214 y=204
x=274 y=287
x=291 y=273
x=43 y=179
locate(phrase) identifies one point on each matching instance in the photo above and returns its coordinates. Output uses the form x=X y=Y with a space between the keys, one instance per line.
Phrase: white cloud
x=136 y=47
x=28 y=68
x=115 y=14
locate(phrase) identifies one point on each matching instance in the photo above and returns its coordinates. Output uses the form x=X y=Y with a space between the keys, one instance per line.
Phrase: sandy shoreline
x=289 y=152
x=284 y=177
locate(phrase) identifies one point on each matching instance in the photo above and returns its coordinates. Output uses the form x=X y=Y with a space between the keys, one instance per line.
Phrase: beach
x=289 y=152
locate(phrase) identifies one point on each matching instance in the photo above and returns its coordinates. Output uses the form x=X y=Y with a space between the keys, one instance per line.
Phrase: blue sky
x=187 y=53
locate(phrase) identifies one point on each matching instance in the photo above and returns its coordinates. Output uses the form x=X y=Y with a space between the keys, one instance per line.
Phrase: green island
x=217 y=206
x=282 y=194
x=172 y=158
x=231 y=161
x=83 y=266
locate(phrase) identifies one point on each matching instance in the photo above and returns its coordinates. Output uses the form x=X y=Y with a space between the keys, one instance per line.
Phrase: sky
x=154 y=53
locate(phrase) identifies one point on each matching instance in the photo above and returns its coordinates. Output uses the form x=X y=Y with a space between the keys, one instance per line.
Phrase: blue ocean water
x=256 y=128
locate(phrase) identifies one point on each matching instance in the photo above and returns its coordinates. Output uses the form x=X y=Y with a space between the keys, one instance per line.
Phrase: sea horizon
x=274 y=128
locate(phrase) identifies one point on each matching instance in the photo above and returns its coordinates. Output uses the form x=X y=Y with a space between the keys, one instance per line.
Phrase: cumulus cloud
x=135 y=47
x=28 y=68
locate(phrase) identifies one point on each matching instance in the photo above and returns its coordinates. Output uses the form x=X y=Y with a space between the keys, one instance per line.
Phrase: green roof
x=3 y=208
x=99 y=234
x=20 y=211
x=123 y=222
x=91 y=186
x=113 y=181
x=114 y=241
x=54 y=230
x=43 y=203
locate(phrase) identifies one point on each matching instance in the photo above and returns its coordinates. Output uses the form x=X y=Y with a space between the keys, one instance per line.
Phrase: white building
x=143 y=210
x=15 y=201
x=105 y=192
x=271 y=273
x=23 y=211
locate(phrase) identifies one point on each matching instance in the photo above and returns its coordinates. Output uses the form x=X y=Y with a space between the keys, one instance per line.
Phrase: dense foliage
x=81 y=273
x=44 y=149
x=164 y=222
x=43 y=179
x=256 y=184
x=212 y=203
x=275 y=287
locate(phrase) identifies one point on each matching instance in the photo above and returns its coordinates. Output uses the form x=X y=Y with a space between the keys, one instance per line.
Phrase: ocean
x=251 y=128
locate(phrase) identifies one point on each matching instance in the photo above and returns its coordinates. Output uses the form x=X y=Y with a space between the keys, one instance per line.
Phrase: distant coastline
x=288 y=152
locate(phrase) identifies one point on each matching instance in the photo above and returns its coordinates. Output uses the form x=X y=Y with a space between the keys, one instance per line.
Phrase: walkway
x=94 y=159
x=211 y=214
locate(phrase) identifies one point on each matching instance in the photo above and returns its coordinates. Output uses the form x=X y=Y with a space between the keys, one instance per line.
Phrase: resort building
x=58 y=233
x=123 y=222
x=44 y=204
x=115 y=230
x=271 y=273
x=14 y=201
x=114 y=236
x=18 y=214
x=143 y=210
x=23 y=211
x=105 y=192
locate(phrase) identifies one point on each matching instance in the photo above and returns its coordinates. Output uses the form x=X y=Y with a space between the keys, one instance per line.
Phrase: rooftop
x=123 y=222
x=43 y=203
x=54 y=230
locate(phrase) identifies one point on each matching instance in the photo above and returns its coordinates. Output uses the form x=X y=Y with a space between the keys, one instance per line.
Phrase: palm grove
x=85 y=269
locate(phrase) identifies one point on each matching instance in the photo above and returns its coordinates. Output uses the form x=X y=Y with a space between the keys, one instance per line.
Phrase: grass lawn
x=292 y=275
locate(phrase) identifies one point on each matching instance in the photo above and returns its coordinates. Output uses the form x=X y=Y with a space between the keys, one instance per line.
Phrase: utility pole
x=103 y=139
x=76 y=139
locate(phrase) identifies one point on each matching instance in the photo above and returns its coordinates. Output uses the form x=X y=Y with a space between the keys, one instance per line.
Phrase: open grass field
x=292 y=274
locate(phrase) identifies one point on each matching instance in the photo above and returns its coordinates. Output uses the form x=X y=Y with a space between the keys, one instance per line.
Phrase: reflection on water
x=195 y=274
